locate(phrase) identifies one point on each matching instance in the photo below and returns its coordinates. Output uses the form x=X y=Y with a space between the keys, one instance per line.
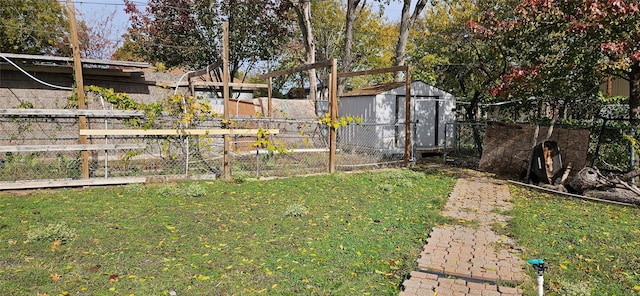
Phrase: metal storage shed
x=382 y=109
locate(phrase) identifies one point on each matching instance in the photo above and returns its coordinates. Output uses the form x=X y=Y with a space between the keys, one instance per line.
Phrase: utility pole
x=77 y=67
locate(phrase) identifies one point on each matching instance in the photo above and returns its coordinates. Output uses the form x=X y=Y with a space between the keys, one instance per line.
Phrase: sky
x=92 y=11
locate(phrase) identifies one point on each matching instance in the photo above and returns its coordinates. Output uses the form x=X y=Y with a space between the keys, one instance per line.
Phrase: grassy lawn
x=341 y=234
x=592 y=248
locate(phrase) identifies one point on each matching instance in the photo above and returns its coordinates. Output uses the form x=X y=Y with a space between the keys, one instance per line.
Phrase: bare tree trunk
x=406 y=22
x=303 y=11
x=352 y=7
x=634 y=92
x=473 y=116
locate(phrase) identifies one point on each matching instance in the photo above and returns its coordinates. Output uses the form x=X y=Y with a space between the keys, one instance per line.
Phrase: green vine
x=263 y=141
x=121 y=101
x=339 y=122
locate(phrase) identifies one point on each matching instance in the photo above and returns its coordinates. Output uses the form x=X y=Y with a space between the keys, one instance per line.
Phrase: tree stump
x=587 y=179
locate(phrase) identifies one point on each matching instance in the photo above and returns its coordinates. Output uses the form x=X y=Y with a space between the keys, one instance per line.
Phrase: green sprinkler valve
x=538 y=265
x=535 y=261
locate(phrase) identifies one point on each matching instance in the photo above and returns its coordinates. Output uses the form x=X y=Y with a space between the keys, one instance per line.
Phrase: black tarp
x=546 y=162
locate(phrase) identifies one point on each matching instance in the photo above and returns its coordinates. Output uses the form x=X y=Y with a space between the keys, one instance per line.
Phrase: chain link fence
x=35 y=162
x=468 y=138
x=610 y=148
x=300 y=147
x=45 y=148
x=37 y=148
x=369 y=145
x=610 y=145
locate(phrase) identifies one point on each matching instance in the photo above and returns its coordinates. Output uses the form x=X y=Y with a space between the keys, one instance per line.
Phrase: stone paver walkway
x=470 y=260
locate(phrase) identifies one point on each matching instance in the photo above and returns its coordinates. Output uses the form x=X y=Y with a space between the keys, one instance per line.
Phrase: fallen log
x=589 y=198
x=630 y=175
x=615 y=194
x=590 y=182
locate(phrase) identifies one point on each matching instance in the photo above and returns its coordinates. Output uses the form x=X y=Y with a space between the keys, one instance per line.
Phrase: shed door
x=425 y=124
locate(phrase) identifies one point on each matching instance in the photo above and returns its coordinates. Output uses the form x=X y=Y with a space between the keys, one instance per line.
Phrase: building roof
x=374 y=90
x=64 y=65
x=287 y=108
x=66 y=60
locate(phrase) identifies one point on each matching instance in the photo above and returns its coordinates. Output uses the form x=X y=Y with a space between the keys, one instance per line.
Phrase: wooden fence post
x=407 y=120
x=333 y=105
x=77 y=66
x=225 y=93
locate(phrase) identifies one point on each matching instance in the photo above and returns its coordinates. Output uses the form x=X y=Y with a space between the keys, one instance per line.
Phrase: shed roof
x=374 y=90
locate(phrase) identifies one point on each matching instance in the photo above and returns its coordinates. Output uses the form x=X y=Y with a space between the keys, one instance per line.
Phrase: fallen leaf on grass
x=55 y=244
x=55 y=277
x=95 y=268
x=113 y=277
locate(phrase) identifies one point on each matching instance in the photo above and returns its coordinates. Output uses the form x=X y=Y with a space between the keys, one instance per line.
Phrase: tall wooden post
x=407 y=120
x=225 y=94
x=269 y=94
x=333 y=105
x=77 y=68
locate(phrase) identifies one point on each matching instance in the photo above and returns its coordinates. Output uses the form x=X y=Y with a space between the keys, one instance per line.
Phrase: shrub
x=296 y=210
x=168 y=190
x=195 y=190
x=575 y=289
x=60 y=231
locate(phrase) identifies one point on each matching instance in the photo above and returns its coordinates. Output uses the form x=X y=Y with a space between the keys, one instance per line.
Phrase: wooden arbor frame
x=83 y=131
x=333 y=99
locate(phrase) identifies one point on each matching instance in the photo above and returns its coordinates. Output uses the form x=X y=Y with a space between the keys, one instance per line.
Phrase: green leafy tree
x=372 y=44
x=328 y=25
x=32 y=26
x=443 y=52
x=562 y=49
x=188 y=33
